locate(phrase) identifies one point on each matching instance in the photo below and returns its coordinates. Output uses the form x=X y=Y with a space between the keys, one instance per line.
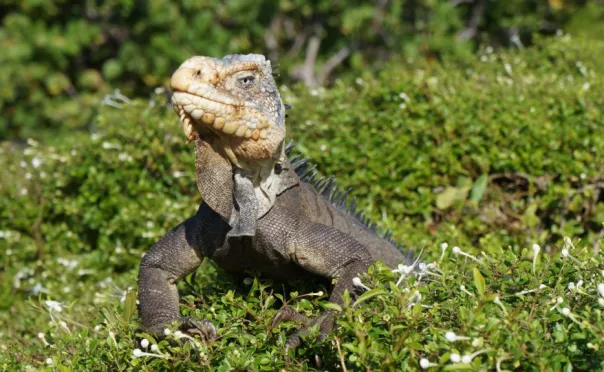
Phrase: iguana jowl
x=257 y=213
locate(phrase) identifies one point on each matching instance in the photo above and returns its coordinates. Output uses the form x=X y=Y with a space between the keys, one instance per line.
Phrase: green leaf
x=130 y=305
x=109 y=316
x=479 y=187
x=446 y=198
x=370 y=294
x=332 y=306
x=458 y=367
x=479 y=282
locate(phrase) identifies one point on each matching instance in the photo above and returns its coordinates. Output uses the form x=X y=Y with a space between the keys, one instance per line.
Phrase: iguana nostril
x=181 y=79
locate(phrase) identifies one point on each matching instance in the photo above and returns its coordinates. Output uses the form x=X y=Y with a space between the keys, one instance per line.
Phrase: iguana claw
x=325 y=322
x=204 y=328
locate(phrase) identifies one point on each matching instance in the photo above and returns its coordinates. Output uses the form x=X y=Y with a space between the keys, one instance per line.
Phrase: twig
x=312 y=50
x=332 y=63
x=470 y=31
x=340 y=354
x=298 y=43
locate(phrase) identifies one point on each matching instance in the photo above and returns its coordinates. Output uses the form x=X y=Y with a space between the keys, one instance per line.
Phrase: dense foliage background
x=60 y=57
x=473 y=123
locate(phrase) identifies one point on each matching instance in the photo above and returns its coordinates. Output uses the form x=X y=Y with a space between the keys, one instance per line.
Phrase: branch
x=470 y=31
x=333 y=62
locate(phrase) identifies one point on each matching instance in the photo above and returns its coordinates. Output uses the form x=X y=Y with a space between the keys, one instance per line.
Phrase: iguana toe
x=325 y=323
x=288 y=314
x=203 y=328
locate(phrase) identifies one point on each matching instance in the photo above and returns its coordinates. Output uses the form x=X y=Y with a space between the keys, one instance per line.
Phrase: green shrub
x=60 y=57
x=500 y=151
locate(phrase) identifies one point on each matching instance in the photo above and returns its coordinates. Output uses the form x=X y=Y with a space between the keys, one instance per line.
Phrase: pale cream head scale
x=233 y=103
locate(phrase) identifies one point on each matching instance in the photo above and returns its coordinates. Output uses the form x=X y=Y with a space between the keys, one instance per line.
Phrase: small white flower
x=97 y=328
x=571 y=286
x=40 y=335
x=566 y=311
x=469 y=357
x=566 y=254
x=457 y=251
x=443 y=247
x=601 y=289
x=356 y=281
x=452 y=337
x=137 y=353
x=455 y=358
x=425 y=363
x=54 y=305
x=154 y=348
x=145 y=343
x=49 y=362
x=36 y=162
x=248 y=281
x=500 y=304
x=536 y=248
x=463 y=289
x=508 y=68
x=167 y=332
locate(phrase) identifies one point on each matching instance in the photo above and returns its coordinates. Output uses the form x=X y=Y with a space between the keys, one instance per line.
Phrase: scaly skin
x=257 y=213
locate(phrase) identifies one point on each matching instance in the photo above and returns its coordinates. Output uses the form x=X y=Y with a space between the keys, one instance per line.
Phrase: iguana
x=260 y=210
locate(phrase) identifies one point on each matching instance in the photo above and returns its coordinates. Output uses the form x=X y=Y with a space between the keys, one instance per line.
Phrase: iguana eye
x=245 y=81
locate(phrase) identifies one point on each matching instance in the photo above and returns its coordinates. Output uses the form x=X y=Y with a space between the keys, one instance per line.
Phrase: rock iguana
x=260 y=210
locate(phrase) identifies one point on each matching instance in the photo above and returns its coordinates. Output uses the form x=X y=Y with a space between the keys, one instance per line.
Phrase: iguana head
x=232 y=103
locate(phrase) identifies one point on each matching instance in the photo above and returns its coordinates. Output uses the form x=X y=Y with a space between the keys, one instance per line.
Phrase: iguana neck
x=217 y=179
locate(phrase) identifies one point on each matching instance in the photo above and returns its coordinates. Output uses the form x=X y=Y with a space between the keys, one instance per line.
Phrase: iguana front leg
x=170 y=259
x=329 y=253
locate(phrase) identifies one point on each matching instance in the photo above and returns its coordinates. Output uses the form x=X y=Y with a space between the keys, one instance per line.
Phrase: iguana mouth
x=221 y=115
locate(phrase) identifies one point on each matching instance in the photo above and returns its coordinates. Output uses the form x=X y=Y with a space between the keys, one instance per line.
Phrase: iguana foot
x=203 y=328
x=325 y=322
